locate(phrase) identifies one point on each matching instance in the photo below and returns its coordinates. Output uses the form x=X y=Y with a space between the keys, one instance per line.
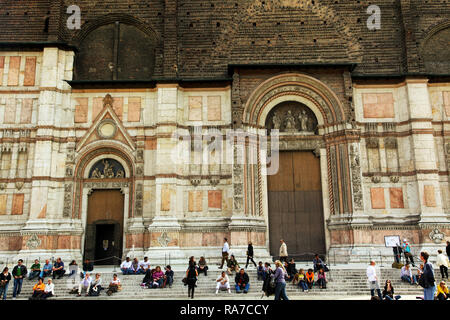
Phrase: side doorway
x=104 y=227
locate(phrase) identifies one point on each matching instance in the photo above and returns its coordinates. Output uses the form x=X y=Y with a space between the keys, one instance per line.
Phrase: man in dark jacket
x=242 y=281
x=19 y=272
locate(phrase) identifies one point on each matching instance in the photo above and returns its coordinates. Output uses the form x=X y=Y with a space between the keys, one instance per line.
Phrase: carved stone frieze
x=356 y=177
x=390 y=142
x=372 y=143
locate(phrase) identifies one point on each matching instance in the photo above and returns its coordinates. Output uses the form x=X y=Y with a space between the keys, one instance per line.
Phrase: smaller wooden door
x=104 y=226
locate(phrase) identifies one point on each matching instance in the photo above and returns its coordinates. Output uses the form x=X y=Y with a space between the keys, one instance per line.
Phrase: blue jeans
x=126 y=271
x=4 y=290
x=408 y=279
x=396 y=297
x=33 y=274
x=428 y=293
x=45 y=273
x=17 y=286
x=302 y=284
x=238 y=289
x=169 y=280
x=280 y=291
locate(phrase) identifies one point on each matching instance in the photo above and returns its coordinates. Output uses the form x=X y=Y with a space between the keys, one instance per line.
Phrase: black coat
x=448 y=250
x=238 y=277
x=250 y=250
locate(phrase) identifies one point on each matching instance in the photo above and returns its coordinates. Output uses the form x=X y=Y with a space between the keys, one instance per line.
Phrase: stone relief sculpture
x=292 y=117
x=303 y=118
x=107 y=168
x=276 y=120
x=96 y=173
x=289 y=121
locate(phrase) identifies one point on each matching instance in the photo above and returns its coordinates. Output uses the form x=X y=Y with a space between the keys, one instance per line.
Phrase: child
x=260 y=271
x=310 y=278
x=302 y=280
x=321 y=279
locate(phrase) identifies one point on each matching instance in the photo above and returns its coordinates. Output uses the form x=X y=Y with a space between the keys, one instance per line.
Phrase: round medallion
x=107 y=129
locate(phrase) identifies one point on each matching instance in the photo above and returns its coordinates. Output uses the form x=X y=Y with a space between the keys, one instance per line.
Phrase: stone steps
x=341 y=282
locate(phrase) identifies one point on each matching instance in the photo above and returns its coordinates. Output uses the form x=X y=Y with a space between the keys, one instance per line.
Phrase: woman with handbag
x=426 y=280
x=191 y=279
x=279 y=277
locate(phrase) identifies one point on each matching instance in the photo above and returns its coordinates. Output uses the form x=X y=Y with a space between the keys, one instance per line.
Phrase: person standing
x=442 y=263
x=19 y=272
x=191 y=279
x=283 y=251
x=372 y=278
x=426 y=280
x=407 y=251
x=250 y=255
x=279 y=275
x=225 y=252
x=447 y=249
x=5 y=278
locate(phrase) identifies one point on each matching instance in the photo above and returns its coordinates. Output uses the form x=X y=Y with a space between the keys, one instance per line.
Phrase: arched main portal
x=314 y=169
x=294 y=193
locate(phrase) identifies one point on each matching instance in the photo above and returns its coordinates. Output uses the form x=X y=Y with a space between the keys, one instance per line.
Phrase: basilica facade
x=161 y=127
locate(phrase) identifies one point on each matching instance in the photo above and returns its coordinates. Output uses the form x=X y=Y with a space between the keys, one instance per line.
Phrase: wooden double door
x=104 y=227
x=295 y=206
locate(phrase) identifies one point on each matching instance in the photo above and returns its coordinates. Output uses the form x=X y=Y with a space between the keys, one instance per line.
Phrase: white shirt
x=371 y=273
x=442 y=260
x=115 y=281
x=224 y=278
x=226 y=247
x=50 y=288
x=144 y=264
x=126 y=264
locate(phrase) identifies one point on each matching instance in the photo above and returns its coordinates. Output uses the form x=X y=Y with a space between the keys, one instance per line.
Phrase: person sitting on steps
x=58 y=269
x=310 y=278
x=158 y=278
x=114 y=285
x=388 y=292
x=222 y=283
x=242 y=281
x=38 y=290
x=202 y=267
x=442 y=291
x=85 y=284
x=322 y=279
x=168 y=277
x=233 y=265
x=260 y=271
x=35 y=270
x=125 y=266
